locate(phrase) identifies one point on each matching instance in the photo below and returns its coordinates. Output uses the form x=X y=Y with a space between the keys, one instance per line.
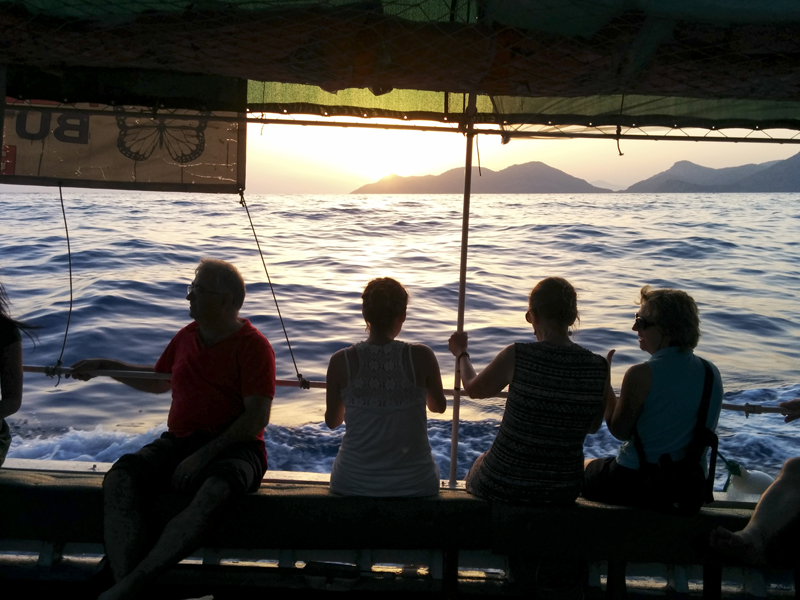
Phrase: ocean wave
x=312 y=447
x=737 y=255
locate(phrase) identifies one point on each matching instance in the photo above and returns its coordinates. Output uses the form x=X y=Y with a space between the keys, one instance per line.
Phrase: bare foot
x=739 y=546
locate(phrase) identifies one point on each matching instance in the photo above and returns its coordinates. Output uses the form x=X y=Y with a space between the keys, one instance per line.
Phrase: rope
x=732 y=467
x=619 y=129
x=54 y=372
x=304 y=383
x=478 y=151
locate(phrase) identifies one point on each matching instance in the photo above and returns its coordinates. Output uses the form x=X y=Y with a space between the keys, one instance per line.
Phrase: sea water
x=133 y=254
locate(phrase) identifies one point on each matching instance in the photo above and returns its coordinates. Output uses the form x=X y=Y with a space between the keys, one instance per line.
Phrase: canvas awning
x=632 y=63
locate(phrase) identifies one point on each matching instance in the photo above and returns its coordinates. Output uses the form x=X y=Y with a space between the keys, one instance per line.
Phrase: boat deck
x=294 y=534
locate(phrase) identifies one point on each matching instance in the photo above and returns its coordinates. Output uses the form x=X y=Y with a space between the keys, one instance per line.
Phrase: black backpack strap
x=637 y=443
x=703 y=436
x=705 y=402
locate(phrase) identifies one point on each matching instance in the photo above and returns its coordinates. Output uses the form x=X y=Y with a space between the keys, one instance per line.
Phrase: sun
x=292 y=159
x=364 y=154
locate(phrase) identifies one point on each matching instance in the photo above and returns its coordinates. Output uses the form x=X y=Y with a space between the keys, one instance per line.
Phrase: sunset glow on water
x=134 y=253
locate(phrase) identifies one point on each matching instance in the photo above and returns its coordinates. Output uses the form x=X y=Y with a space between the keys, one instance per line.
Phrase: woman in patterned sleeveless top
x=380 y=389
x=556 y=396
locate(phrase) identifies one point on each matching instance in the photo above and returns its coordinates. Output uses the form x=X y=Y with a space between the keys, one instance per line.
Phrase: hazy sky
x=292 y=159
x=289 y=159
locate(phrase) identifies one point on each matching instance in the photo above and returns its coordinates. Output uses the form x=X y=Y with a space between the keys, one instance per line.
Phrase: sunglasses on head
x=641 y=323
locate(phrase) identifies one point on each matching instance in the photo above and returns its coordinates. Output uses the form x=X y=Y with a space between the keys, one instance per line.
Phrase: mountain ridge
x=686 y=176
x=536 y=177
x=527 y=178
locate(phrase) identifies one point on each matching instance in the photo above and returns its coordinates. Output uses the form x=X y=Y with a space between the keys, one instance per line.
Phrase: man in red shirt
x=222 y=382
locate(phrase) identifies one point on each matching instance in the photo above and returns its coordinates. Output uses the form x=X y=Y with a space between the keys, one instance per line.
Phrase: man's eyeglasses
x=641 y=323
x=198 y=289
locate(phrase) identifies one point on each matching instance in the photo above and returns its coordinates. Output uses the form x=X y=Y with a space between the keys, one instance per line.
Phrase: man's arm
x=245 y=428
x=82 y=368
x=790 y=409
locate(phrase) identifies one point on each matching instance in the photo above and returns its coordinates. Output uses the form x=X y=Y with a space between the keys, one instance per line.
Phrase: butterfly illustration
x=140 y=136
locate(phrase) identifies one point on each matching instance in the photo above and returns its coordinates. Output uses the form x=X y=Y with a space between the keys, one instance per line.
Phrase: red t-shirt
x=210 y=384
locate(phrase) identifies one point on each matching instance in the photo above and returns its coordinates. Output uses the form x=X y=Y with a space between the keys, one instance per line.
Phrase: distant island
x=539 y=178
x=528 y=178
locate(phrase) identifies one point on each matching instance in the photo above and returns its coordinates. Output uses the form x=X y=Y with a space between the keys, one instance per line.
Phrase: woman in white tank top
x=380 y=389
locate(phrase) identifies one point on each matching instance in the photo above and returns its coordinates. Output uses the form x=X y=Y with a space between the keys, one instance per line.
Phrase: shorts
x=605 y=480
x=241 y=465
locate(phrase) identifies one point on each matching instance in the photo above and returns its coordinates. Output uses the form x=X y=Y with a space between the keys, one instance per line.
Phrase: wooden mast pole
x=462 y=279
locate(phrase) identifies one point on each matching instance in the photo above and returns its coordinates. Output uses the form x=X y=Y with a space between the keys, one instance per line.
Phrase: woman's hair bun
x=384 y=299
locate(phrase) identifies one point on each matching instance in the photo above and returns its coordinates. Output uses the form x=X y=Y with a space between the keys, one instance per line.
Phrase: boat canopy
x=710 y=64
x=148 y=94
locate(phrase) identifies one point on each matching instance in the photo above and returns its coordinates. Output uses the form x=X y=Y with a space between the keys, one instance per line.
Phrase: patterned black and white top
x=537 y=456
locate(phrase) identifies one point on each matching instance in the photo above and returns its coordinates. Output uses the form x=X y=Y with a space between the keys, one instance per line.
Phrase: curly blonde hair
x=675 y=312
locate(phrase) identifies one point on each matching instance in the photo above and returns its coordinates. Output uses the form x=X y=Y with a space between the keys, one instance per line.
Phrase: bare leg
x=123 y=523
x=779 y=506
x=181 y=535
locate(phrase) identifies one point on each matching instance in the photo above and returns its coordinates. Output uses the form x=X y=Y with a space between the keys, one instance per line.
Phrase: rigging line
x=478 y=151
x=619 y=128
x=59 y=362
x=304 y=383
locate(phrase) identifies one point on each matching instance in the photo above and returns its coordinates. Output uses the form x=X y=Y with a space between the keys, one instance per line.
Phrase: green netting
x=648 y=111
x=261 y=93
x=516 y=112
x=685 y=63
x=283 y=98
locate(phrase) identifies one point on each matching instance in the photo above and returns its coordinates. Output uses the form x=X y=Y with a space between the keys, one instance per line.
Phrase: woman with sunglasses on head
x=10 y=369
x=658 y=406
x=380 y=388
x=555 y=397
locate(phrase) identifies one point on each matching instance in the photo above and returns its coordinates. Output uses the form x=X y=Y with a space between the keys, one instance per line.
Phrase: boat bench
x=60 y=508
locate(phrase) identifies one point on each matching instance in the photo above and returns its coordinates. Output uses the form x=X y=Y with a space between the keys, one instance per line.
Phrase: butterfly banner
x=122 y=147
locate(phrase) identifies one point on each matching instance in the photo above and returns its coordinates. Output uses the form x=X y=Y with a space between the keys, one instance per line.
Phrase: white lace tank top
x=385 y=449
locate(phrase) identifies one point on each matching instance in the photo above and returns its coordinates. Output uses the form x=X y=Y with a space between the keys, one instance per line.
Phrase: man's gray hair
x=227 y=277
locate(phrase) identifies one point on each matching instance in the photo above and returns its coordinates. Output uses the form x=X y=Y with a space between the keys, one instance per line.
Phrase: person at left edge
x=222 y=384
x=10 y=368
